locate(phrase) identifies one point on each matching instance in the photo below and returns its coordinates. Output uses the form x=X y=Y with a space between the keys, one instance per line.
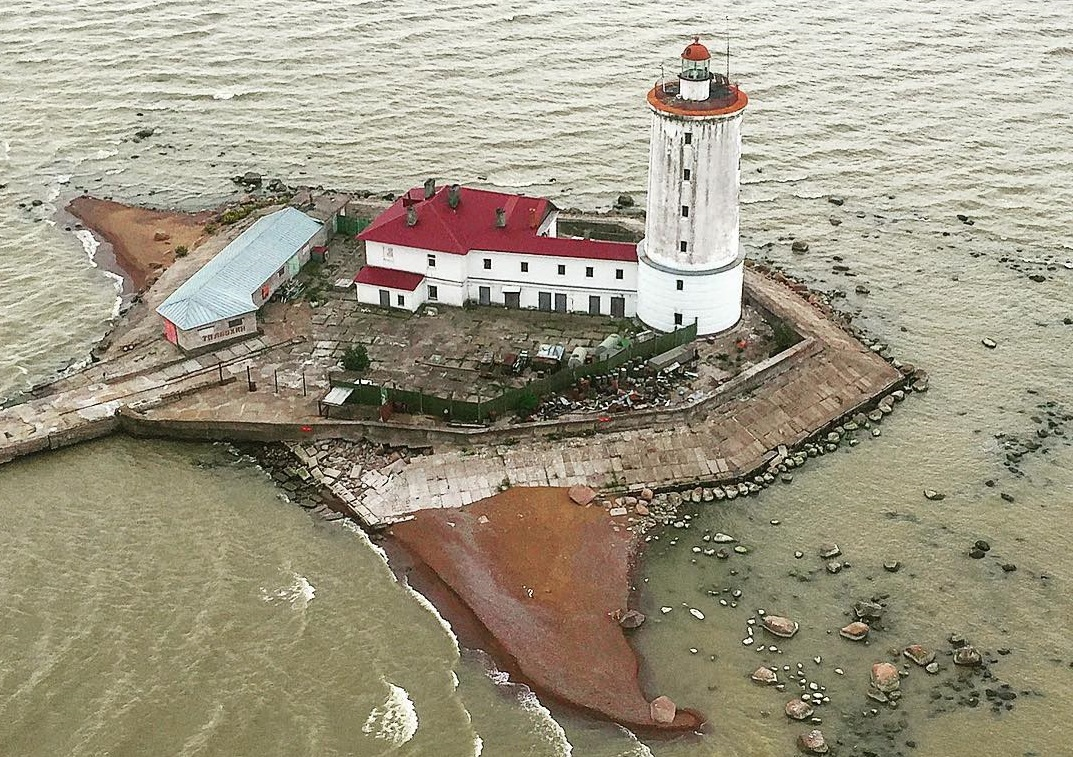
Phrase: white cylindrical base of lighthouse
x=668 y=299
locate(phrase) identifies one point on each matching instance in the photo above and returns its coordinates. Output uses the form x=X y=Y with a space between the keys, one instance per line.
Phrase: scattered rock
x=827 y=551
x=892 y=566
x=798 y=709
x=765 y=676
x=836 y=200
x=967 y=656
x=779 y=626
x=696 y=613
x=982 y=545
x=616 y=512
x=855 y=631
x=144 y=134
x=933 y=495
x=885 y=677
x=624 y=201
x=868 y=610
x=919 y=654
x=581 y=495
x=834 y=566
x=631 y=619
x=812 y=742
x=647 y=495
x=932 y=668
x=1008 y=567
x=989 y=343
x=799 y=245
x=641 y=509
x=663 y=710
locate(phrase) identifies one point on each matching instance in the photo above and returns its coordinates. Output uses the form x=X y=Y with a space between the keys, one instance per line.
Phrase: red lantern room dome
x=696 y=51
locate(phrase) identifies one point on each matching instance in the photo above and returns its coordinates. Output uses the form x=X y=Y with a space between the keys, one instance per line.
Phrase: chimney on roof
x=430 y=188
x=454 y=196
x=533 y=218
x=501 y=218
x=411 y=216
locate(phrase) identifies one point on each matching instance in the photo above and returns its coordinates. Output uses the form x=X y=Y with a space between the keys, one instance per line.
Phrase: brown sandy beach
x=543 y=578
x=131 y=232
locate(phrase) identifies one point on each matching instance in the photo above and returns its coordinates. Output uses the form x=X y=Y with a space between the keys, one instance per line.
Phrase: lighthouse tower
x=689 y=265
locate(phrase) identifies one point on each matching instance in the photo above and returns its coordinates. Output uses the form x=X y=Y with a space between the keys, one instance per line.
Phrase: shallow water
x=167 y=585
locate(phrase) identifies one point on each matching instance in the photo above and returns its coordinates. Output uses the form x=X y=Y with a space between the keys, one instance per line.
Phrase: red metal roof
x=696 y=51
x=389 y=277
x=472 y=226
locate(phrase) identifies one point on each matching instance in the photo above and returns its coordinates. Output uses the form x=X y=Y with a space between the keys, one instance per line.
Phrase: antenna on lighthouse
x=728 y=49
x=662 y=78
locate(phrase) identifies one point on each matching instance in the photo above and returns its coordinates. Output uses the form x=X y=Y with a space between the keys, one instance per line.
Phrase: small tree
x=356 y=359
x=527 y=403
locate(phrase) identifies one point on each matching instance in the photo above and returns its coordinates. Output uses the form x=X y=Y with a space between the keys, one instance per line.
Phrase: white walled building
x=459 y=244
x=465 y=244
x=690 y=261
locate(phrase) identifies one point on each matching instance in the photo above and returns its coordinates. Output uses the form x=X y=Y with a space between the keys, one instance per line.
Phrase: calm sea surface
x=162 y=599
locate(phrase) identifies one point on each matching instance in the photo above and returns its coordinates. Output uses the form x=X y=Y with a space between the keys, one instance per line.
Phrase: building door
x=594 y=304
x=560 y=303
x=484 y=295
x=618 y=307
x=544 y=301
x=294 y=265
x=385 y=298
x=512 y=299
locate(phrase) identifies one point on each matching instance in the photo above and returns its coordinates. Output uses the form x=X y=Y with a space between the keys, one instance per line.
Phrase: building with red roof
x=457 y=244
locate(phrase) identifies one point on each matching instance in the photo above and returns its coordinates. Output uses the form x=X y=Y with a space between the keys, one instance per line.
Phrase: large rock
x=799 y=245
x=779 y=626
x=798 y=709
x=855 y=631
x=868 y=610
x=582 y=495
x=812 y=742
x=885 y=677
x=918 y=654
x=765 y=676
x=624 y=201
x=663 y=710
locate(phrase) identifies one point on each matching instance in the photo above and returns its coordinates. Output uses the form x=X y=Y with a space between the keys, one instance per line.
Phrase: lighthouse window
x=525 y=267
x=487 y=264
x=431 y=261
x=618 y=273
x=588 y=272
x=679 y=285
x=683 y=245
x=677 y=319
x=562 y=270
x=686 y=173
x=689 y=138
x=685 y=211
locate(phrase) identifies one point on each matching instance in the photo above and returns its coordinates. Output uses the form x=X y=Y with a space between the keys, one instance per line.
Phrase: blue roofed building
x=220 y=302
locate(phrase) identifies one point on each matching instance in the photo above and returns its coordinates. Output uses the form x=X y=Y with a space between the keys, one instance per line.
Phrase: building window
x=618 y=273
x=685 y=211
x=689 y=138
x=686 y=173
x=677 y=319
x=400 y=300
x=431 y=261
x=433 y=293
x=679 y=285
x=588 y=272
x=487 y=264
x=683 y=246
x=279 y=273
x=525 y=267
x=234 y=323
x=562 y=270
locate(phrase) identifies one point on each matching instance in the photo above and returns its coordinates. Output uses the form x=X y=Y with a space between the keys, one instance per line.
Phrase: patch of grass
x=356 y=358
x=181 y=251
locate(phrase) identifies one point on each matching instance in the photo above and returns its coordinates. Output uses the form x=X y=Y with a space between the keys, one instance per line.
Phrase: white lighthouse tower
x=689 y=265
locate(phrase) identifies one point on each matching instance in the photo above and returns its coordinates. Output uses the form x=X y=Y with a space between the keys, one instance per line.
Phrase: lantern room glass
x=695 y=70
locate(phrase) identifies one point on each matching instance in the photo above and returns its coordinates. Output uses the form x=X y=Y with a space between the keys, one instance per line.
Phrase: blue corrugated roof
x=224 y=287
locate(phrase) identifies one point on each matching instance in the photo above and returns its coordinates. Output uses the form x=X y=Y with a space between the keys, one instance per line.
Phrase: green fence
x=367 y=393
x=350 y=225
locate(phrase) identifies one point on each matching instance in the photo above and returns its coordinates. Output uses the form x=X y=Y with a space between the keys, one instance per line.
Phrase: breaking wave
x=545 y=726
x=395 y=720
x=299 y=594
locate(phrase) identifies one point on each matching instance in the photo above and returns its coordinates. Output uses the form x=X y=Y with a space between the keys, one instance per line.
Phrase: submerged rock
x=631 y=619
x=855 y=631
x=918 y=654
x=765 y=676
x=798 y=709
x=813 y=742
x=967 y=656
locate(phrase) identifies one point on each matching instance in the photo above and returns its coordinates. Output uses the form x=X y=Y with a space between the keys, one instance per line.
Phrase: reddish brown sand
x=542 y=577
x=131 y=230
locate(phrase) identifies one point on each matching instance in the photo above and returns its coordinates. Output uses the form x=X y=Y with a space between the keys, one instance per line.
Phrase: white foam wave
x=421 y=599
x=6 y=144
x=637 y=748
x=103 y=154
x=395 y=720
x=90 y=245
x=544 y=725
x=299 y=594
x=478 y=746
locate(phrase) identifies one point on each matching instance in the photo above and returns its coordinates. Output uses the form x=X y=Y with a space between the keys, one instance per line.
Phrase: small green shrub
x=211 y=228
x=356 y=359
x=181 y=251
x=527 y=402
